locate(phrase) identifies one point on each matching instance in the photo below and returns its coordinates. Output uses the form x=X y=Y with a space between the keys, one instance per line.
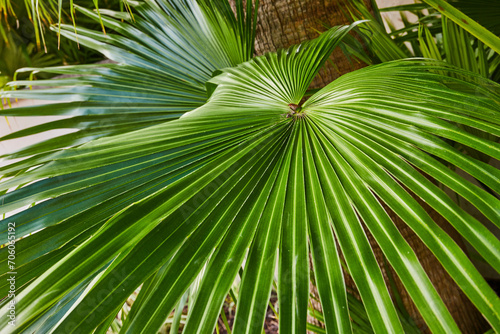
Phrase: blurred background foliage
x=426 y=33
x=26 y=39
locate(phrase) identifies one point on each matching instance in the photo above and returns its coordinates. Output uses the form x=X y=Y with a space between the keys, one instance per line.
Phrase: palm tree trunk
x=283 y=23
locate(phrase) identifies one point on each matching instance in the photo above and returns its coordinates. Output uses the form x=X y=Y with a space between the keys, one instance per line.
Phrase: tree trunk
x=282 y=23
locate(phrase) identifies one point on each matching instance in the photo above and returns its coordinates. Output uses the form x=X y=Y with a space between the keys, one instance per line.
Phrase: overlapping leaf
x=467 y=23
x=164 y=56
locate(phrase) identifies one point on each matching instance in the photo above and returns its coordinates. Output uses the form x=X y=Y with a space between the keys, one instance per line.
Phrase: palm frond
x=467 y=23
x=484 y=12
x=177 y=49
x=251 y=176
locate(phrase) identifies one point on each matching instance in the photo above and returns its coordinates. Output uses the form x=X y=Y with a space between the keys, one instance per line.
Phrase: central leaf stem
x=295 y=107
x=295 y=111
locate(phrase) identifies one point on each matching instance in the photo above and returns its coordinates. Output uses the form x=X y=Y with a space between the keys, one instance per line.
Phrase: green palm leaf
x=483 y=12
x=467 y=23
x=175 y=47
x=255 y=169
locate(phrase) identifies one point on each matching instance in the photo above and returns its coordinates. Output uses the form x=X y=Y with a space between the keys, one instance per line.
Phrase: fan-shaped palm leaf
x=252 y=171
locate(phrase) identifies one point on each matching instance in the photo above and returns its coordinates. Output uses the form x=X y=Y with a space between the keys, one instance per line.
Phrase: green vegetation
x=193 y=163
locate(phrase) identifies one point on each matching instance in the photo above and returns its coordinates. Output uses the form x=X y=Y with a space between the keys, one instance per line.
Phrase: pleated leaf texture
x=192 y=163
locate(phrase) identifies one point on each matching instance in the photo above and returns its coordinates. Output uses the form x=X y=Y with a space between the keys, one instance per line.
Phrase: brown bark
x=283 y=23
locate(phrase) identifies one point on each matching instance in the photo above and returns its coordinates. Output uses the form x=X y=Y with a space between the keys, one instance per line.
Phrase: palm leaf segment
x=253 y=169
x=165 y=54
